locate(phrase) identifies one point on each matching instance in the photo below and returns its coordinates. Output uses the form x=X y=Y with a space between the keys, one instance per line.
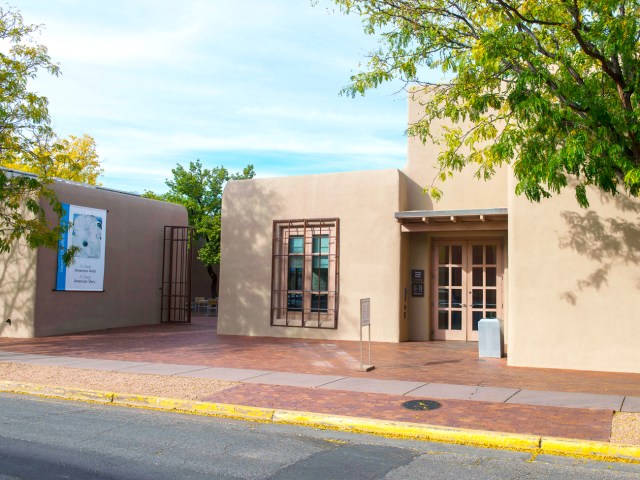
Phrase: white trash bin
x=490 y=341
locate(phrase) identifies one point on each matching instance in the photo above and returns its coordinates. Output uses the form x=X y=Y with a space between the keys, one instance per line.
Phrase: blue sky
x=158 y=83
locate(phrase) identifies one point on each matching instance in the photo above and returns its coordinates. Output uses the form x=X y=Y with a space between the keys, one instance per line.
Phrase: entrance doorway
x=467 y=286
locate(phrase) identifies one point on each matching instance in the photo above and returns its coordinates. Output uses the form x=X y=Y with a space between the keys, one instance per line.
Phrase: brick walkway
x=435 y=362
x=584 y=424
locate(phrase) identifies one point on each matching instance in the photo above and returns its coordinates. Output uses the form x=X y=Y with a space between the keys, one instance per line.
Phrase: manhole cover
x=421 y=405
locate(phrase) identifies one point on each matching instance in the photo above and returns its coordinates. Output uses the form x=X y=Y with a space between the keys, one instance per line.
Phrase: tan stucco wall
x=133 y=266
x=369 y=249
x=17 y=291
x=575 y=283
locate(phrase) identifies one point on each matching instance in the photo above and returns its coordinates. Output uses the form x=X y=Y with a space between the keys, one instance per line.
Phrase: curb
x=535 y=444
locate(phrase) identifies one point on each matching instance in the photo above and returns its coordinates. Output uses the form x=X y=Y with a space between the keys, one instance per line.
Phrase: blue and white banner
x=88 y=233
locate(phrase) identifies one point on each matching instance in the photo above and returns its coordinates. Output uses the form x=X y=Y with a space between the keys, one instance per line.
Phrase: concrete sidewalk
x=323 y=377
x=421 y=390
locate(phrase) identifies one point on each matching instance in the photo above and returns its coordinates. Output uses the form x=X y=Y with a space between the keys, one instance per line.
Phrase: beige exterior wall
x=369 y=250
x=575 y=283
x=17 y=291
x=133 y=266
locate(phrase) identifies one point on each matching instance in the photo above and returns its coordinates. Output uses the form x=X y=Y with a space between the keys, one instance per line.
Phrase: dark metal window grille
x=176 y=275
x=305 y=273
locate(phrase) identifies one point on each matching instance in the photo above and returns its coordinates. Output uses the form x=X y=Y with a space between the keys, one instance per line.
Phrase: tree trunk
x=214 y=281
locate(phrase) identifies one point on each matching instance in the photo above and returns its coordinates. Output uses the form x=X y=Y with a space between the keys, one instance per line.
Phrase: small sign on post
x=365 y=321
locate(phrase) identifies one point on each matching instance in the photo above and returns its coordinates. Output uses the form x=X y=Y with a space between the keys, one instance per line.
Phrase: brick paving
x=582 y=424
x=433 y=362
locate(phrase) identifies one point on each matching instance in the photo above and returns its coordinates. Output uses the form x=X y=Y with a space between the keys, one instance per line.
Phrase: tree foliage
x=550 y=86
x=200 y=191
x=73 y=158
x=25 y=132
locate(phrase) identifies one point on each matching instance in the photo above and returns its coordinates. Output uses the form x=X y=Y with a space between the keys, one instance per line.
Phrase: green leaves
x=200 y=191
x=548 y=86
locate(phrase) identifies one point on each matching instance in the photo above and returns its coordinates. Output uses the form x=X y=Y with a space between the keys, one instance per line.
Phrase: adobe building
x=124 y=235
x=298 y=254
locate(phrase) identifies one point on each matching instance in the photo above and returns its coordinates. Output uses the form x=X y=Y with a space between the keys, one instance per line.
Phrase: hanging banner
x=87 y=232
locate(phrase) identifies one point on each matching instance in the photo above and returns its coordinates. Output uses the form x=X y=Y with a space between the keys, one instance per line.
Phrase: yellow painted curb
x=414 y=431
x=590 y=449
x=58 y=392
x=193 y=406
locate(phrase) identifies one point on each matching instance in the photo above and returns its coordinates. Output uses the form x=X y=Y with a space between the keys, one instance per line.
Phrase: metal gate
x=177 y=255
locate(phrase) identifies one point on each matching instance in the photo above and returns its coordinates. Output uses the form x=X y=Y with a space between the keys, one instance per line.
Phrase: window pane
x=443 y=320
x=491 y=254
x=477 y=316
x=296 y=244
x=295 y=273
x=443 y=254
x=491 y=299
x=477 y=276
x=476 y=254
x=443 y=276
x=320 y=244
x=456 y=298
x=443 y=297
x=456 y=254
x=319 y=303
x=456 y=320
x=294 y=301
x=477 y=298
x=491 y=277
x=490 y=315
x=456 y=276
x=320 y=274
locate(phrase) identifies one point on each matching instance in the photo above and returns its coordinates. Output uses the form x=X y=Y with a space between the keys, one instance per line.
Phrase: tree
x=549 y=86
x=73 y=158
x=25 y=132
x=200 y=191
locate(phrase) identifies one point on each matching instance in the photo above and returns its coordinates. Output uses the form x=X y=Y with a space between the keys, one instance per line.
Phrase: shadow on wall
x=17 y=291
x=416 y=198
x=608 y=241
x=248 y=246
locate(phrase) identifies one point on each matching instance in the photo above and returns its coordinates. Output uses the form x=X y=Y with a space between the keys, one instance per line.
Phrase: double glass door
x=467 y=286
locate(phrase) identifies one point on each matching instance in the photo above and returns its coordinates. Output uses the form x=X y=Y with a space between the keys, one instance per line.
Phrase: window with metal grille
x=305 y=273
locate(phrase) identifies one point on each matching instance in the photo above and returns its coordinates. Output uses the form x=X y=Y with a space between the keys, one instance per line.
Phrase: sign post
x=365 y=321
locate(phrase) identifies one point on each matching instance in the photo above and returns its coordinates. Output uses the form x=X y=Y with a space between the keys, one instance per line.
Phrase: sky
x=231 y=83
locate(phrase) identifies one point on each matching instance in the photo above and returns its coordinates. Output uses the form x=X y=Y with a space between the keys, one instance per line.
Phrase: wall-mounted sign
x=87 y=233
x=417 y=289
x=417 y=276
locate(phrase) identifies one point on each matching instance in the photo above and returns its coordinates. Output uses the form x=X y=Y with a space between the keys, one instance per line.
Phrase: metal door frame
x=177 y=257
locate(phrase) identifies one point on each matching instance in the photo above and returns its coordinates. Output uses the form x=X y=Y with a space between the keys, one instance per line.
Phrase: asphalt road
x=48 y=439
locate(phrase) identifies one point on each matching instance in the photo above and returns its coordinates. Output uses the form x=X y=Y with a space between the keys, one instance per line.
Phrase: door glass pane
x=456 y=320
x=443 y=319
x=443 y=275
x=456 y=254
x=477 y=298
x=477 y=316
x=491 y=298
x=491 y=254
x=477 y=276
x=491 y=276
x=443 y=297
x=456 y=298
x=296 y=245
x=476 y=254
x=443 y=254
x=456 y=276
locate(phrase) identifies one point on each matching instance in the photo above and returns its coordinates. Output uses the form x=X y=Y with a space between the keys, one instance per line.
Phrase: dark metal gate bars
x=177 y=255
